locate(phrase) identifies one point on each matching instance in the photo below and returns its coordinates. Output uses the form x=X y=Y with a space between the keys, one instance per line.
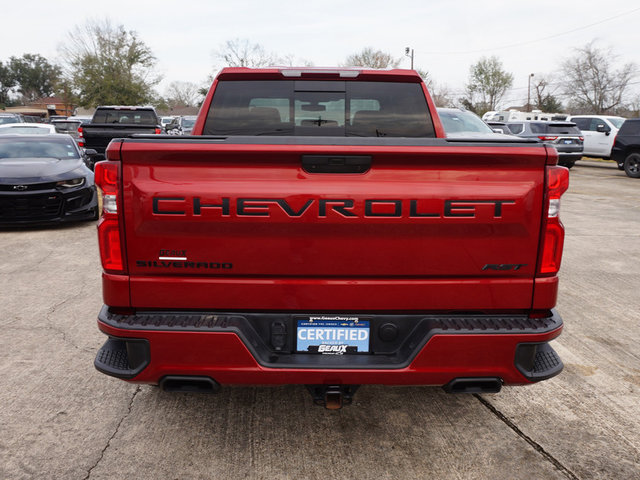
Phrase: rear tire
x=632 y=165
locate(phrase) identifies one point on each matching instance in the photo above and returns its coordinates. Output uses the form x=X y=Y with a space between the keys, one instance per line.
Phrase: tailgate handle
x=336 y=163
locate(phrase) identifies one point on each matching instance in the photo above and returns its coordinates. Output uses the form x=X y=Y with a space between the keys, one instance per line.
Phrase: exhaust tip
x=474 y=385
x=189 y=384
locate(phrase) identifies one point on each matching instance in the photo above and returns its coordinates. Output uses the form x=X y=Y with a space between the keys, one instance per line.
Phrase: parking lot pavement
x=62 y=419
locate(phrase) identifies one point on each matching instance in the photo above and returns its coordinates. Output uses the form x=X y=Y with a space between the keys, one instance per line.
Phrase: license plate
x=568 y=142
x=332 y=335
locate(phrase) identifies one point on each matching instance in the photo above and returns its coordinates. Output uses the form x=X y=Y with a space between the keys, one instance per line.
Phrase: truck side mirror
x=603 y=129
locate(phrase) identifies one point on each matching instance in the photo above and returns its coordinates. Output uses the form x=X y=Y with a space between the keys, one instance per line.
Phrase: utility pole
x=529 y=93
x=408 y=52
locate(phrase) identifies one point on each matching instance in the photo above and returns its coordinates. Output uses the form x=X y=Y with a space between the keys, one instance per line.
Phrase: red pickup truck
x=318 y=228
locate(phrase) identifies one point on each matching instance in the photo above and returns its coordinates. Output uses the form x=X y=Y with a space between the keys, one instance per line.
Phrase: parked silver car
x=564 y=136
x=457 y=121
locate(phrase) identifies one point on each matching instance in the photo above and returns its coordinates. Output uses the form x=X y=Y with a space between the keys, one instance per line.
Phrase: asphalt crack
x=106 y=447
x=51 y=325
x=33 y=267
x=537 y=447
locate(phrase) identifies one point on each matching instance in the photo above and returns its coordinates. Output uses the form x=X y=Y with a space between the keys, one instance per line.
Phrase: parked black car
x=564 y=136
x=43 y=179
x=626 y=148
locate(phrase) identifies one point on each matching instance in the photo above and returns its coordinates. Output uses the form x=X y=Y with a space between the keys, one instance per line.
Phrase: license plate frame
x=333 y=334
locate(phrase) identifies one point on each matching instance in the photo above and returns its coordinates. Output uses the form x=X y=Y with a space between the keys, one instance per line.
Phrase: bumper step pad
x=538 y=361
x=122 y=358
x=547 y=361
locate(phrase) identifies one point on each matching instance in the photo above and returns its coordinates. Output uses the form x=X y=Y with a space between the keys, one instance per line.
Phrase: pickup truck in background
x=111 y=122
x=318 y=228
x=599 y=133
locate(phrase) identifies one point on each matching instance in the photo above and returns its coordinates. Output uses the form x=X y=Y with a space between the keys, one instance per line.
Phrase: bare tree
x=631 y=109
x=544 y=94
x=185 y=94
x=440 y=94
x=242 y=53
x=371 y=58
x=488 y=82
x=291 y=60
x=592 y=84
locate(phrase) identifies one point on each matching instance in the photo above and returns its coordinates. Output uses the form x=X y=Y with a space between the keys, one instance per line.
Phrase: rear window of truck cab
x=557 y=128
x=319 y=108
x=630 y=127
x=129 y=116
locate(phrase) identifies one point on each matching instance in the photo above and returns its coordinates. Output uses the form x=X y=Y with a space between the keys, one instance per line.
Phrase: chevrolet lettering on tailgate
x=262 y=207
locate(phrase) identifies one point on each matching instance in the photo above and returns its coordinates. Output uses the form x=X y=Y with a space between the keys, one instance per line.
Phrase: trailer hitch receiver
x=332 y=397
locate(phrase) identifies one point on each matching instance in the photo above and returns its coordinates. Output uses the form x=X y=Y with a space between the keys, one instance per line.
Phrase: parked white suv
x=599 y=133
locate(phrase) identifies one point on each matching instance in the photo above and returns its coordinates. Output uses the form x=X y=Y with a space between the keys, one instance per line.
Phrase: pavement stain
x=609 y=342
x=582 y=370
x=635 y=379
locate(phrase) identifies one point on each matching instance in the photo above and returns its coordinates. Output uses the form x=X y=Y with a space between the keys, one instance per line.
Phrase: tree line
x=102 y=63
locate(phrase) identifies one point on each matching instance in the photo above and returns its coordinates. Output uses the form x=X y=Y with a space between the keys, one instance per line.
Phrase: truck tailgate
x=438 y=226
x=98 y=135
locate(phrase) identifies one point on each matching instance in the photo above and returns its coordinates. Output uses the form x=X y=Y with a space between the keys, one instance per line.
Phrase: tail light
x=581 y=139
x=109 y=235
x=80 y=137
x=546 y=138
x=158 y=131
x=553 y=232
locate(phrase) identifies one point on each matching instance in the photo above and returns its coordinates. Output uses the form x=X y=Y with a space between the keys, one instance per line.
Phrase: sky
x=447 y=37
